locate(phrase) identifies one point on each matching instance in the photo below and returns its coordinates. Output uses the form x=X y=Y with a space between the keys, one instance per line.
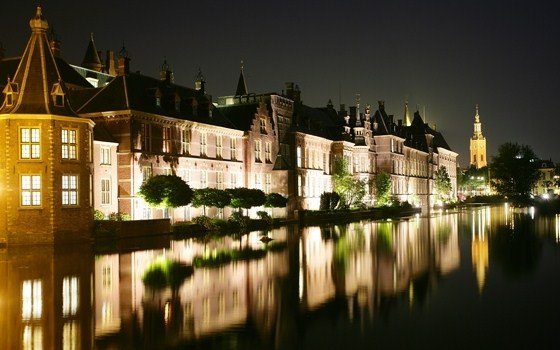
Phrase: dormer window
x=57 y=95
x=158 y=98
x=10 y=90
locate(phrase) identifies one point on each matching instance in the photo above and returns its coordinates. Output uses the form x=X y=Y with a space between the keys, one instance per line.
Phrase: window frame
x=69 y=190
x=29 y=143
x=70 y=147
x=31 y=190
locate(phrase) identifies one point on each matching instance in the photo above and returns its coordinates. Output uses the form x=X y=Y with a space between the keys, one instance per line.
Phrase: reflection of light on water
x=300 y=282
x=557 y=228
x=532 y=212
x=167 y=312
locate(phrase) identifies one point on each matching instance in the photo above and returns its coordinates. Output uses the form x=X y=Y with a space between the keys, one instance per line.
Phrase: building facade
x=145 y=126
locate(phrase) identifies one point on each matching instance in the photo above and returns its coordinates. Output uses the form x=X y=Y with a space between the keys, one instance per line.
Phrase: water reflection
x=248 y=294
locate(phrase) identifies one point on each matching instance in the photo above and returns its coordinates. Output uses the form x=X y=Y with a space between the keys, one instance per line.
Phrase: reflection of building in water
x=446 y=242
x=316 y=284
x=480 y=221
x=212 y=300
x=45 y=299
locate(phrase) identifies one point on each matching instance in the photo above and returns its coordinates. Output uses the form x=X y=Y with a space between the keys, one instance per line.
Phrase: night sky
x=445 y=56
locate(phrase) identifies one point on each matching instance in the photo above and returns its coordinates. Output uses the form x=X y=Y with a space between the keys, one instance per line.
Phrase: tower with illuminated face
x=45 y=161
x=478 y=144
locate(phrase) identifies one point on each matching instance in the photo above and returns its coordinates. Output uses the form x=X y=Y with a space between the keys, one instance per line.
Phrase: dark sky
x=445 y=56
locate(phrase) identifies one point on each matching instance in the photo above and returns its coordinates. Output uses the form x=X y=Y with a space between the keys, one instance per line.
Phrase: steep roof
x=37 y=86
x=91 y=59
x=241 y=84
x=138 y=92
x=415 y=135
x=241 y=115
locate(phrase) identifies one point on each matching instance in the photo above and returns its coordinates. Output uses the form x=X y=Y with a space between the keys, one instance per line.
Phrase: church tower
x=478 y=144
x=46 y=160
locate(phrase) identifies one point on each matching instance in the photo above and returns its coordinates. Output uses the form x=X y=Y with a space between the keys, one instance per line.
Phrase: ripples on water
x=483 y=277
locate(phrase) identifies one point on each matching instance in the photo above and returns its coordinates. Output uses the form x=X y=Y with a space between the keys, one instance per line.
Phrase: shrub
x=219 y=224
x=98 y=215
x=329 y=200
x=238 y=220
x=119 y=217
x=204 y=221
x=263 y=215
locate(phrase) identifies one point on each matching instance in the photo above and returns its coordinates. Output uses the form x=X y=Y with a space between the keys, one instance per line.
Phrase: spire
x=200 y=82
x=165 y=74
x=241 y=85
x=54 y=42
x=477 y=134
x=407 y=120
x=37 y=87
x=91 y=59
x=476 y=116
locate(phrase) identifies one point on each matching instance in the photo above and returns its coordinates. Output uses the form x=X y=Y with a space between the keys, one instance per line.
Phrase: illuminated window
x=69 y=189
x=105 y=155
x=233 y=180
x=258 y=156
x=166 y=146
x=70 y=335
x=258 y=181
x=29 y=143
x=146 y=137
x=68 y=138
x=298 y=156
x=30 y=190
x=203 y=179
x=31 y=300
x=146 y=173
x=70 y=296
x=203 y=144
x=299 y=185
x=219 y=146
x=220 y=180
x=185 y=141
x=233 y=148
x=268 y=152
x=32 y=337
x=267 y=183
x=263 y=125
x=105 y=191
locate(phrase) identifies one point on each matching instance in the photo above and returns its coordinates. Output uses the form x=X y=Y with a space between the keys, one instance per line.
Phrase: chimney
x=381 y=105
x=289 y=90
x=110 y=63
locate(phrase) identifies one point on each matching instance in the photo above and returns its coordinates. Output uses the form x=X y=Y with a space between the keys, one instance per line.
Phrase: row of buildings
x=87 y=136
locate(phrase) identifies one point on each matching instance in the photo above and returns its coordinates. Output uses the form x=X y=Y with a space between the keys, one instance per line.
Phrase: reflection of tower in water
x=479 y=245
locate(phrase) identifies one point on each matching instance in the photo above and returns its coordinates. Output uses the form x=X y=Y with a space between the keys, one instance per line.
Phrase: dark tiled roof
x=241 y=85
x=415 y=135
x=37 y=76
x=322 y=122
x=91 y=59
x=138 y=92
x=241 y=115
x=100 y=133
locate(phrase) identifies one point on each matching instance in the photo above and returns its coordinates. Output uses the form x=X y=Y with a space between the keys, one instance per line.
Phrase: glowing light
x=546 y=196
x=532 y=212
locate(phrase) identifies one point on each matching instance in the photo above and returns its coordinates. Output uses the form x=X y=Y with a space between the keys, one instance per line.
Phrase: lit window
x=166 y=147
x=203 y=179
x=258 y=150
x=31 y=300
x=29 y=141
x=219 y=146
x=258 y=180
x=299 y=185
x=233 y=180
x=68 y=138
x=268 y=152
x=70 y=296
x=263 y=125
x=185 y=141
x=146 y=173
x=233 y=148
x=203 y=144
x=267 y=183
x=298 y=156
x=30 y=190
x=69 y=189
x=57 y=95
x=105 y=156
x=220 y=180
x=105 y=191
x=146 y=137
x=70 y=335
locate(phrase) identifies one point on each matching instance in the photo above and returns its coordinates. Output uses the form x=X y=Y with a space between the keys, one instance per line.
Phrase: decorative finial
x=477 y=109
x=123 y=52
x=91 y=36
x=39 y=12
x=242 y=65
x=38 y=23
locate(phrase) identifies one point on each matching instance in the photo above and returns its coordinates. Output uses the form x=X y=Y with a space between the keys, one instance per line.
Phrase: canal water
x=486 y=277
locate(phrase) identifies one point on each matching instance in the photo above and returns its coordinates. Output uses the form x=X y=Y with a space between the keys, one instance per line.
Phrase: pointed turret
x=478 y=143
x=200 y=82
x=91 y=58
x=241 y=85
x=407 y=121
x=37 y=87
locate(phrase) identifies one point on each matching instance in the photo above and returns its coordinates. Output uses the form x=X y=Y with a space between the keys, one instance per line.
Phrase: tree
x=383 y=188
x=442 y=184
x=275 y=200
x=514 y=170
x=166 y=191
x=210 y=197
x=246 y=198
x=351 y=190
